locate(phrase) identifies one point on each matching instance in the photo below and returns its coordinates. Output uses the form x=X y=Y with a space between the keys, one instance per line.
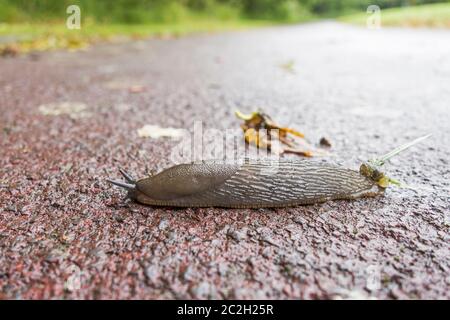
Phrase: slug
x=258 y=183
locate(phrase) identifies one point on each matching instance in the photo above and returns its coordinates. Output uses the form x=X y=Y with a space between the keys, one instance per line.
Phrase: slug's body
x=251 y=184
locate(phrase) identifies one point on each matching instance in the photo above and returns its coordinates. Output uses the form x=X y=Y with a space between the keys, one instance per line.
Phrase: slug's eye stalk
x=371 y=170
x=129 y=185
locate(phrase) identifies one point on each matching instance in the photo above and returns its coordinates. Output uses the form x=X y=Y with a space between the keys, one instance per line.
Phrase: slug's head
x=129 y=185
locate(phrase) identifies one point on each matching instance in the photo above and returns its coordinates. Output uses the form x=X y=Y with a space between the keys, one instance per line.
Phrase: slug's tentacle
x=130 y=186
x=127 y=177
x=122 y=184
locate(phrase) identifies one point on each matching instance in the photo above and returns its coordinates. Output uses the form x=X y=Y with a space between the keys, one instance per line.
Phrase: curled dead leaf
x=261 y=131
x=10 y=50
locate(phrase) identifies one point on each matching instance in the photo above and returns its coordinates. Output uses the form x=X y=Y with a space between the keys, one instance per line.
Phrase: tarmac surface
x=70 y=119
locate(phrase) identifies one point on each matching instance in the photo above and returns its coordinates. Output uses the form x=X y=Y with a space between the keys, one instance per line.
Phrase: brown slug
x=257 y=183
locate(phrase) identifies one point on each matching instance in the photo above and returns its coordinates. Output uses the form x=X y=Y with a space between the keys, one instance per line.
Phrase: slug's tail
x=384 y=158
x=372 y=170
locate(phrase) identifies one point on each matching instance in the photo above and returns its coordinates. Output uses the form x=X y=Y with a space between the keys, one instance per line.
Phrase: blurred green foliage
x=169 y=11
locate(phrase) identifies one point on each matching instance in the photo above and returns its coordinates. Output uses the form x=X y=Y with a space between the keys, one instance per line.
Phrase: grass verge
x=432 y=16
x=24 y=38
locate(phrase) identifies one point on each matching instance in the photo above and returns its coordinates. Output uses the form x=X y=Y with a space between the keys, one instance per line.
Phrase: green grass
x=38 y=36
x=94 y=30
x=47 y=36
x=30 y=27
x=432 y=15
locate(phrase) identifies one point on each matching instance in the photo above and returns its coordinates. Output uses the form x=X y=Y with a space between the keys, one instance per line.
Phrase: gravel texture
x=70 y=119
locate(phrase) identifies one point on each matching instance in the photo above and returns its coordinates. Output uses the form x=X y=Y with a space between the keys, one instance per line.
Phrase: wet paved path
x=366 y=91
